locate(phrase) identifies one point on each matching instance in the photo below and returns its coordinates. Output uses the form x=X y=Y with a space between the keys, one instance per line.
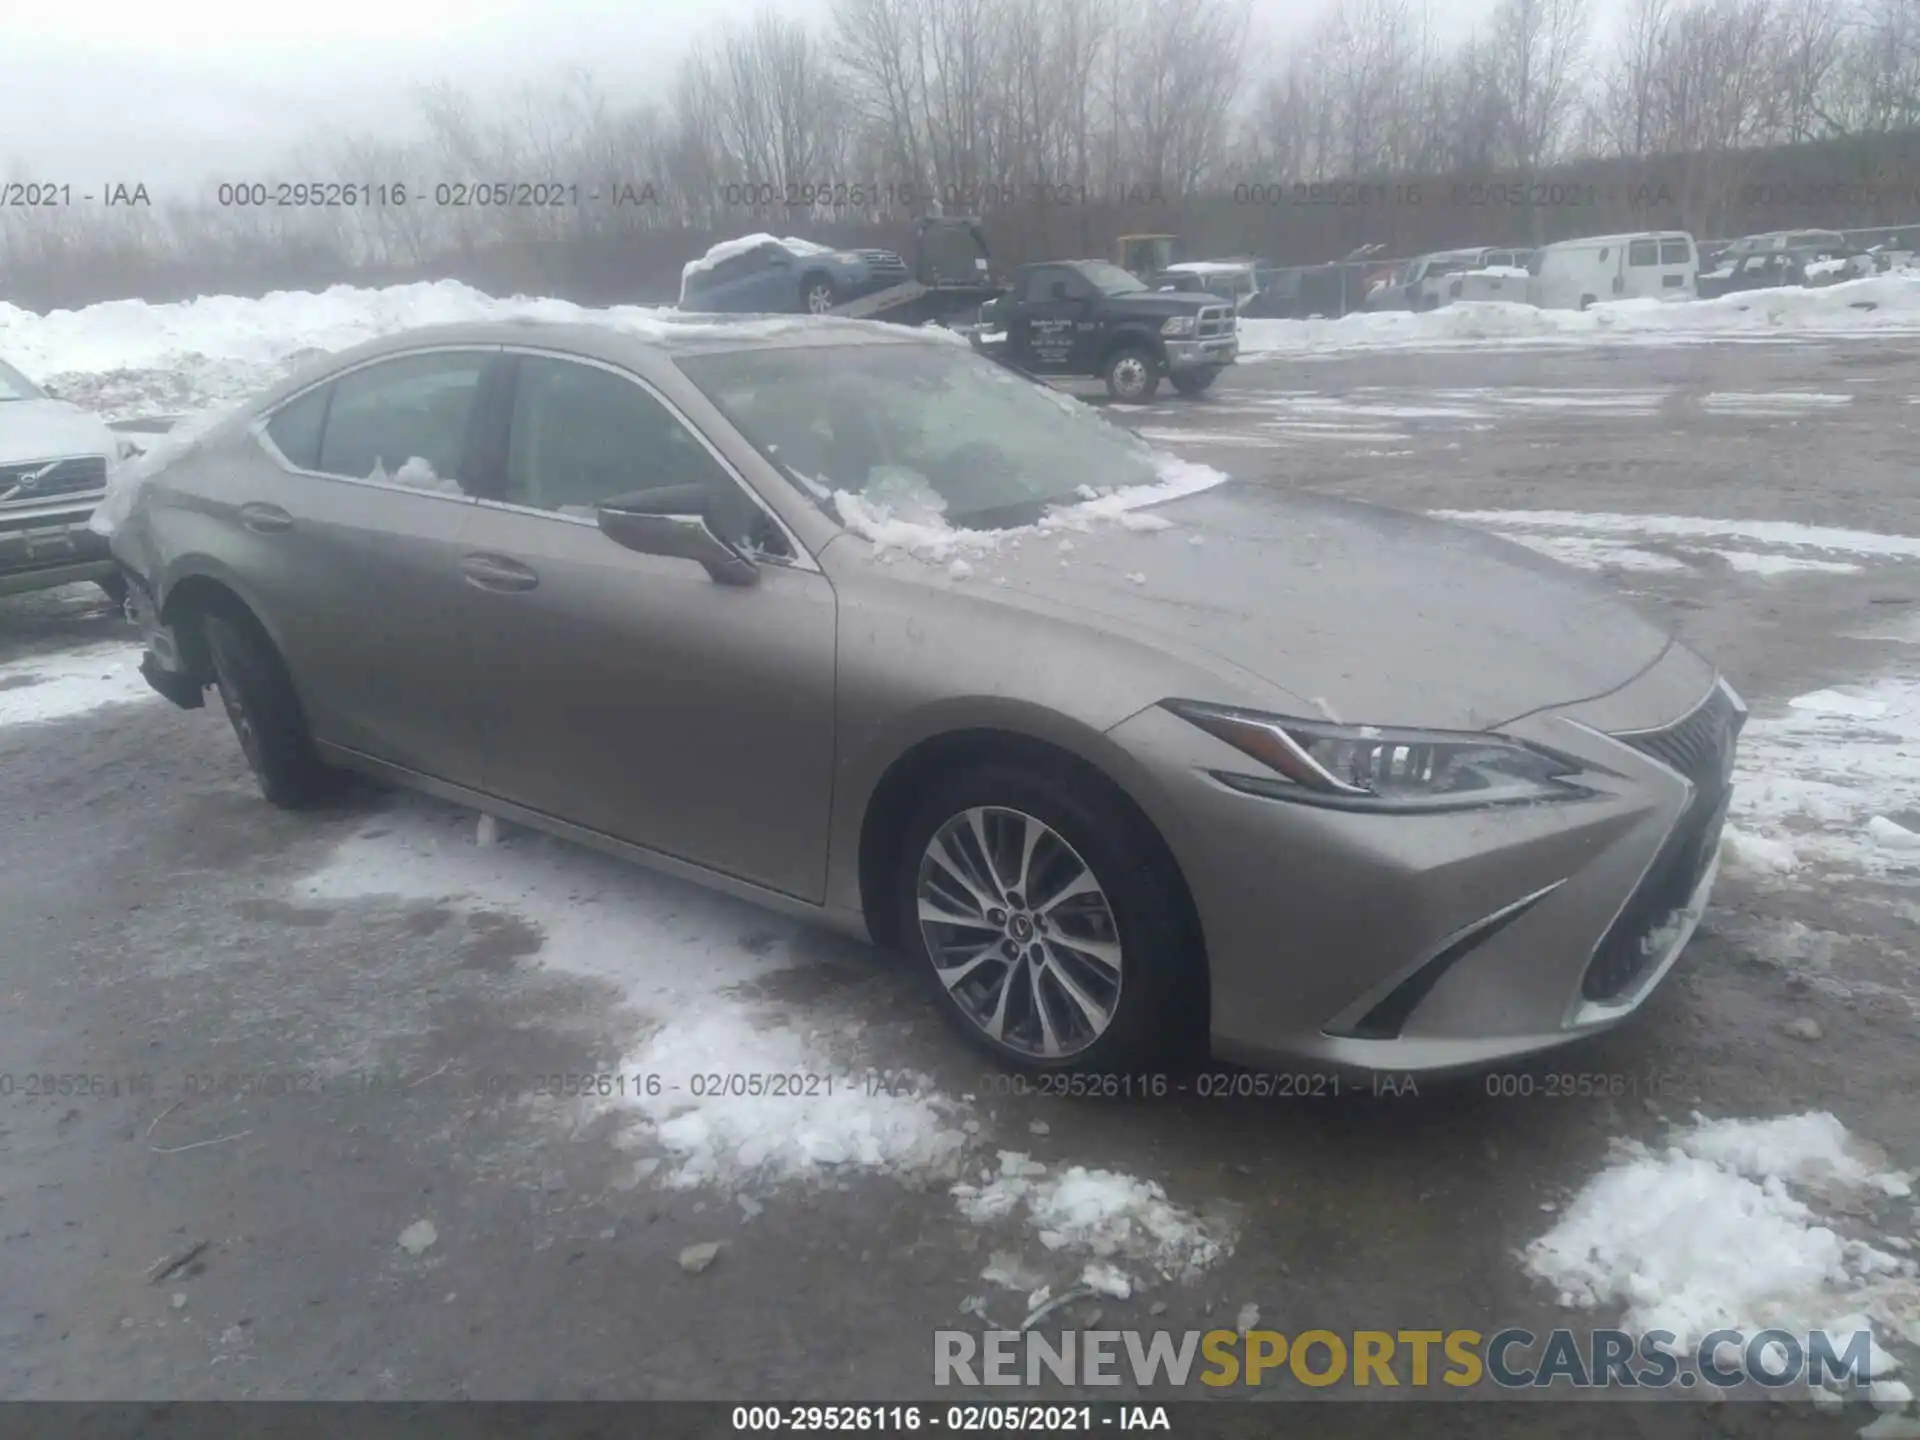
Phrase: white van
x=1652 y=265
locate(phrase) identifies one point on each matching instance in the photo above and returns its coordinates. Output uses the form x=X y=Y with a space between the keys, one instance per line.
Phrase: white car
x=54 y=461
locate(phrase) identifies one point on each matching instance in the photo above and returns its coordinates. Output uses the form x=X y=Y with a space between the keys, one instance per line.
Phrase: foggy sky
x=183 y=94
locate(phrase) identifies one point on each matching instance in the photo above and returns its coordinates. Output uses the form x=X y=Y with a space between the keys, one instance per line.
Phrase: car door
x=631 y=694
x=1048 y=315
x=346 y=540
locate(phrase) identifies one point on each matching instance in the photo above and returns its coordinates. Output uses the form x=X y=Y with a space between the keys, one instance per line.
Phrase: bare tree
x=1536 y=47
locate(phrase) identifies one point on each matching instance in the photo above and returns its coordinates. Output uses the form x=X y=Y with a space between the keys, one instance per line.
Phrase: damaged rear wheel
x=265 y=712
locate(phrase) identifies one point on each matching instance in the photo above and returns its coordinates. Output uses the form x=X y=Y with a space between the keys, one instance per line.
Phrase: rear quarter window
x=295 y=428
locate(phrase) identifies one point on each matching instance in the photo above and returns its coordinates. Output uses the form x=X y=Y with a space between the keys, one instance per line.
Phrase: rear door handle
x=265 y=519
x=497 y=572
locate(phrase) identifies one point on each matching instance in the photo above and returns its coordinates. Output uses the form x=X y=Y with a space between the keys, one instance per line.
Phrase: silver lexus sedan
x=853 y=622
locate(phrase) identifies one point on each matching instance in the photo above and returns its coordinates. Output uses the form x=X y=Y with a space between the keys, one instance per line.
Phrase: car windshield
x=1110 y=279
x=15 y=386
x=926 y=432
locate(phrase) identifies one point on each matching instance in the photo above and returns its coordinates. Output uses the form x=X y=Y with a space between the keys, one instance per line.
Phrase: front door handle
x=497 y=572
x=265 y=519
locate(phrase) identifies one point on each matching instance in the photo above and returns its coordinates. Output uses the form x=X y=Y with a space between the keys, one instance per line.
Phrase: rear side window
x=405 y=420
x=1643 y=252
x=295 y=428
x=1675 y=252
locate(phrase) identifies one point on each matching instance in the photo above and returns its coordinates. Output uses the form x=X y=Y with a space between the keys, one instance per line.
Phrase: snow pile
x=727 y=249
x=798 y=1122
x=1112 y=1216
x=1878 y=304
x=42 y=688
x=897 y=512
x=1707 y=1233
x=131 y=358
x=1836 y=777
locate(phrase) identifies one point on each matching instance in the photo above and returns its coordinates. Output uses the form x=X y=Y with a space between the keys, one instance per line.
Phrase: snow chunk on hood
x=899 y=518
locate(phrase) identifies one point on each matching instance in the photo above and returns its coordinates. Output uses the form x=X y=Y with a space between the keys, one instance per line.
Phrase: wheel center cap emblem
x=1022 y=927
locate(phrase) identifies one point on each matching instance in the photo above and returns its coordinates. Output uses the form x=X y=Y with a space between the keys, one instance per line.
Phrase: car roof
x=1619 y=239
x=635 y=337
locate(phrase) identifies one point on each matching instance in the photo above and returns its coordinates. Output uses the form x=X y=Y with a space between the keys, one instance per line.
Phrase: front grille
x=1215 y=322
x=1700 y=747
x=23 y=484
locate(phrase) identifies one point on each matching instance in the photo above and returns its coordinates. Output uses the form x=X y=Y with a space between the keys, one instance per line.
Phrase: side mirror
x=673 y=522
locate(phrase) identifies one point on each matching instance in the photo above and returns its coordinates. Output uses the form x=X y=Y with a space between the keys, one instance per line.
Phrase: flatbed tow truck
x=952 y=279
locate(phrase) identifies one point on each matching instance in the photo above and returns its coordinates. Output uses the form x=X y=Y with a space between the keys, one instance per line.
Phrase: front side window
x=1108 y=279
x=1040 y=283
x=404 y=421
x=1675 y=252
x=580 y=436
x=924 y=432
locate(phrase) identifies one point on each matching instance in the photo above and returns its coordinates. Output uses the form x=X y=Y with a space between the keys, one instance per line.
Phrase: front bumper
x=1197 y=354
x=43 y=545
x=1447 y=942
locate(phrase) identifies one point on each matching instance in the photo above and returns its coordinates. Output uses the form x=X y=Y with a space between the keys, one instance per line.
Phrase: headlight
x=1365 y=767
x=1178 y=325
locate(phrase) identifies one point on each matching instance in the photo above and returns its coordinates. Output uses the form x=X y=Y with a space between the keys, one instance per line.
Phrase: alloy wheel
x=819 y=299
x=1020 y=932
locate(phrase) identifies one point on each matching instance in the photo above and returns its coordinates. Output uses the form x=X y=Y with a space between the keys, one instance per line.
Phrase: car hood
x=1163 y=302
x=1362 y=613
x=50 y=430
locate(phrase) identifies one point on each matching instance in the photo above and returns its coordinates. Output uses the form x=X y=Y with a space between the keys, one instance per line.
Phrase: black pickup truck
x=1088 y=317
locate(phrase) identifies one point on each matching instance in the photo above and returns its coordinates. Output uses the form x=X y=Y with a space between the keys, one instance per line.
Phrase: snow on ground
x=1835 y=778
x=688 y=964
x=1878 y=305
x=1769 y=547
x=1723 y=1227
x=1115 y=1217
x=40 y=688
x=128 y=357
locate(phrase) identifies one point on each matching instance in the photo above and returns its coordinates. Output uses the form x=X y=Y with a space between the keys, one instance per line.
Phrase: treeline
x=1064 y=123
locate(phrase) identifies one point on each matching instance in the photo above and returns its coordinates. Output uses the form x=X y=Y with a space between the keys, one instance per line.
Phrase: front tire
x=1132 y=376
x=265 y=713
x=1044 y=919
x=1191 y=383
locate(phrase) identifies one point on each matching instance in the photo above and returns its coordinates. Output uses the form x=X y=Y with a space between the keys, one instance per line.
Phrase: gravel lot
x=337 y=1012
